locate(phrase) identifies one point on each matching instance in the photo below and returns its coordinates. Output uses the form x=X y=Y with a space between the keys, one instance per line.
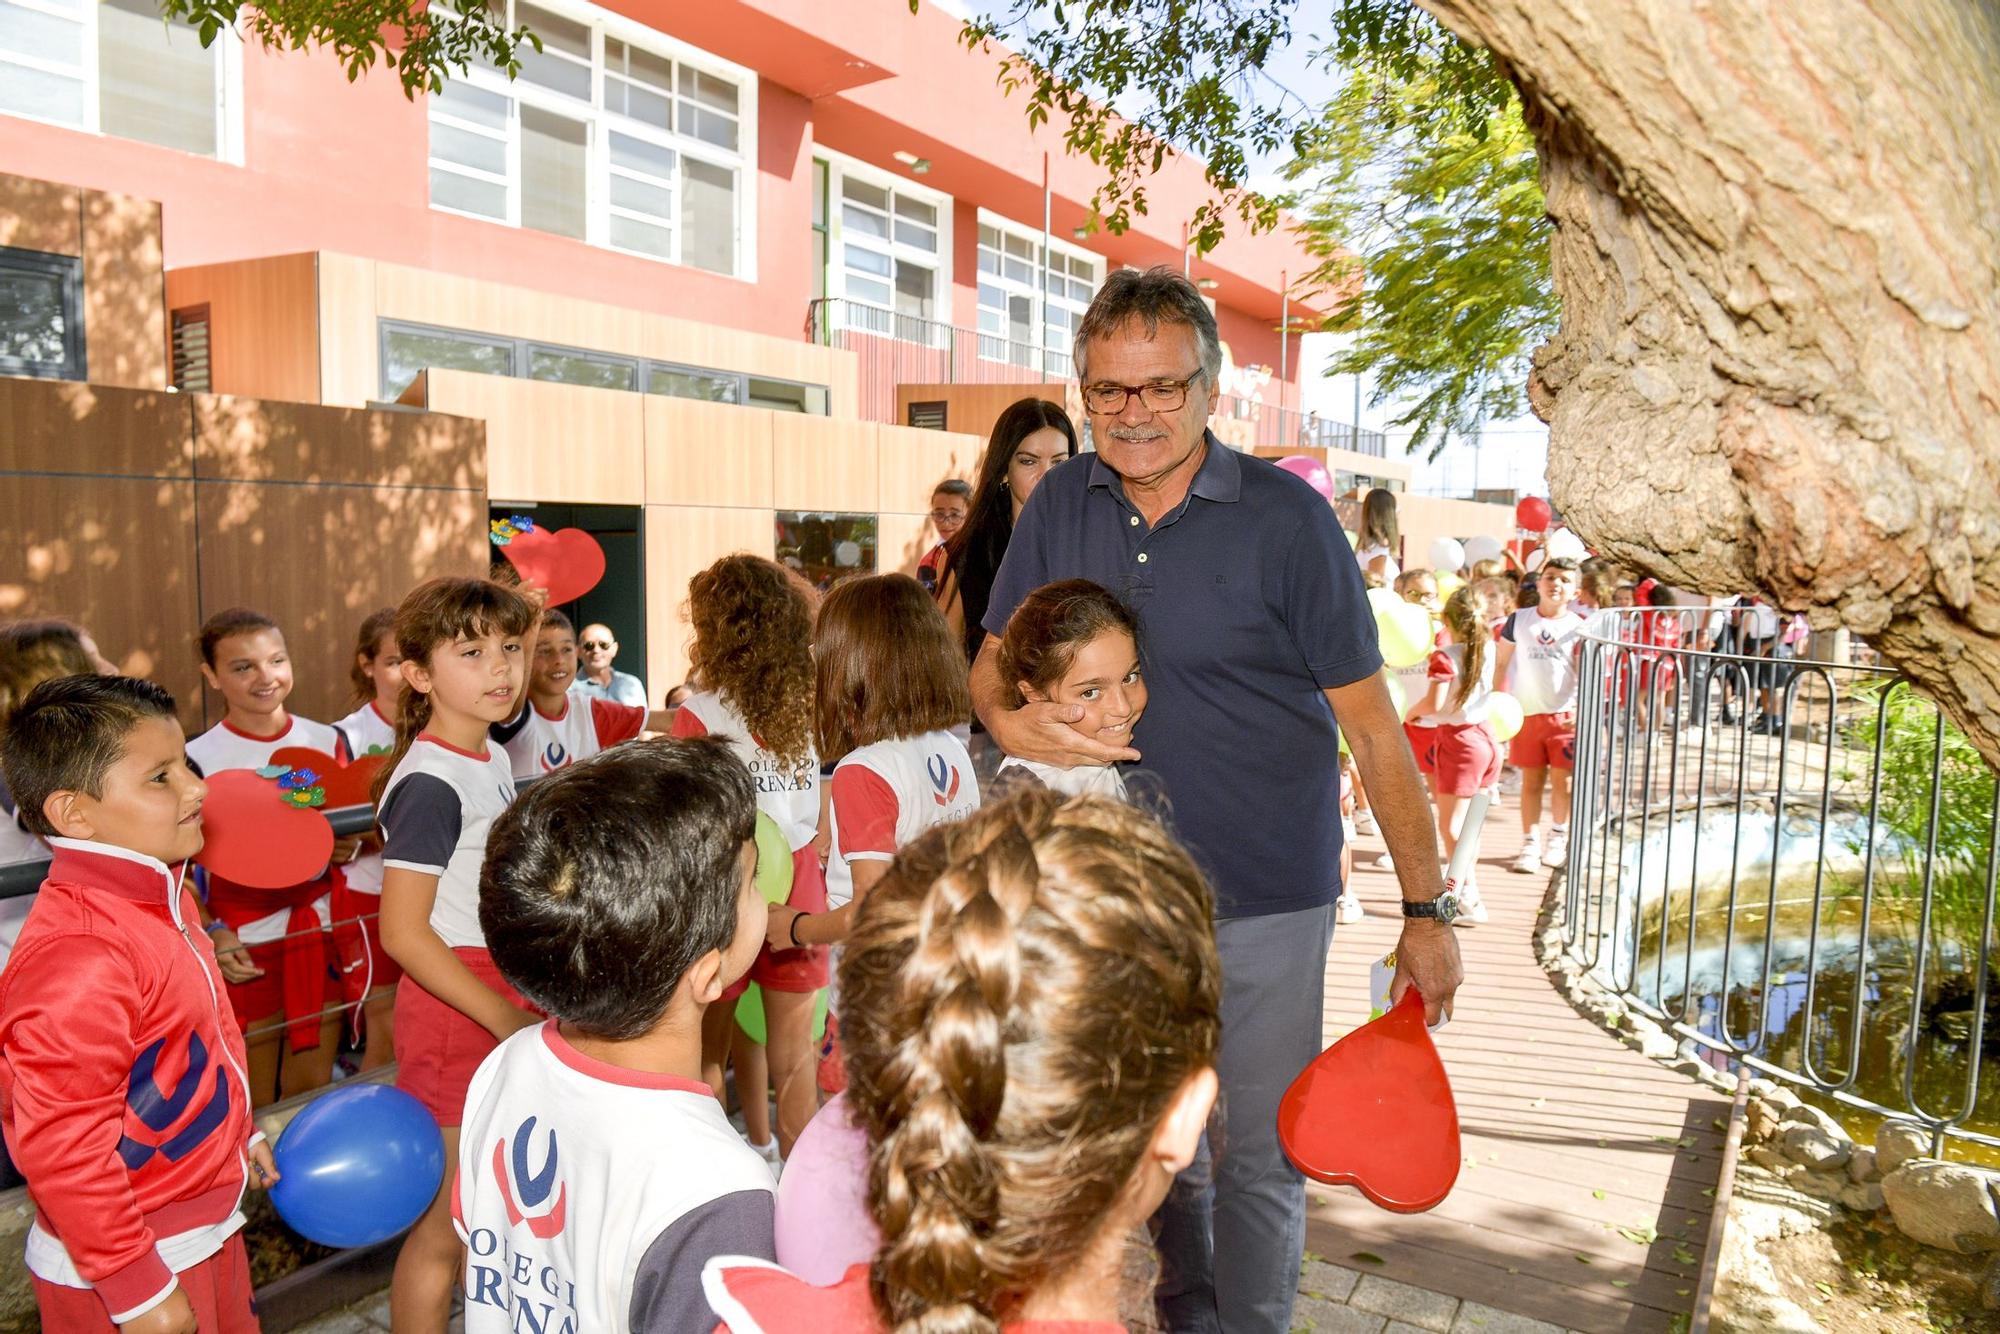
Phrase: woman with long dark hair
x=1032 y=436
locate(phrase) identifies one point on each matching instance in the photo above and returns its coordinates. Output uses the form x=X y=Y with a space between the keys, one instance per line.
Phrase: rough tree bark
x=1778 y=248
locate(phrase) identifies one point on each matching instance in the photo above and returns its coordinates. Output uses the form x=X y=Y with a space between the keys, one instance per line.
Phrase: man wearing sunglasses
x=596 y=651
x=1256 y=635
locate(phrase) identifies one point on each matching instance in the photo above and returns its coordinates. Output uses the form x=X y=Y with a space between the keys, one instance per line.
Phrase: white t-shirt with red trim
x=434 y=814
x=788 y=792
x=591 y=1197
x=1545 y=651
x=539 y=744
x=364 y=732
x=887 y=793
x=1447 y=664
x=223 y=747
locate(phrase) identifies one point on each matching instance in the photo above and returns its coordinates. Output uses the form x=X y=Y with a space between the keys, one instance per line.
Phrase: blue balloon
x=358 y=1165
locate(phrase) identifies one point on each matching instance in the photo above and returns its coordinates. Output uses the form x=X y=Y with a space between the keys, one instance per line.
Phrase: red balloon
x=1375 y=1111
x=1310 y=471
x=1533 y=514
x=252 y=836
x=566 y=563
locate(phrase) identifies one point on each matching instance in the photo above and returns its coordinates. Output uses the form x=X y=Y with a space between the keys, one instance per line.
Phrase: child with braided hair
x=1033 y=1005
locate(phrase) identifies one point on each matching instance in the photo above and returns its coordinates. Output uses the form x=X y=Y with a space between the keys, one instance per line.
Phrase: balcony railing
x=896 y=349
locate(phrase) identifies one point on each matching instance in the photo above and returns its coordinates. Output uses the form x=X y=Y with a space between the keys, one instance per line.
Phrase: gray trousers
x=1232 y=1231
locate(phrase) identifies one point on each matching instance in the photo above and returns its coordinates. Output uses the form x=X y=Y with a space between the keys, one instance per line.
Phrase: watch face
x=1447 y=907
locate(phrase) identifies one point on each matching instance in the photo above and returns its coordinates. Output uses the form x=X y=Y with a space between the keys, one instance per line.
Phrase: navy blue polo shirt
x=1250 y=604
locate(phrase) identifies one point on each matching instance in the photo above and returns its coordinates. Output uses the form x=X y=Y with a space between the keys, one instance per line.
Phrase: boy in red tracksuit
x=123 y=1095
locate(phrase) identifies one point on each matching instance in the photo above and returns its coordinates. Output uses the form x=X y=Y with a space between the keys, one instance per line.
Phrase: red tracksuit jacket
x=122 y=1092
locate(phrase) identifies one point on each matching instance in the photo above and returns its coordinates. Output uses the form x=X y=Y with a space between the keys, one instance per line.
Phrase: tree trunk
x=1778 y=248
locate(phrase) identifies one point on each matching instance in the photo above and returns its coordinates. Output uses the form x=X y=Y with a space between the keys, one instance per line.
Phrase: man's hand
x=175 y=1315
x=263 y=1168
x=1427 y=959
x=1043 y=732
x=234 y=957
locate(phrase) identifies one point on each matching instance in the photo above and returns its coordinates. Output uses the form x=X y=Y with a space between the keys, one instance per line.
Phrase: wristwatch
x=1444 y=908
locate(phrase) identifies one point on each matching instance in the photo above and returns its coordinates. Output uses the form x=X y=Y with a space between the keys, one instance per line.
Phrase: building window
x=408 y=349
x=613 y=135
x=1010 y=277
x=826 y=548
x=41 y=315
x=117 y=68
x=192 y=372
x=889 y=245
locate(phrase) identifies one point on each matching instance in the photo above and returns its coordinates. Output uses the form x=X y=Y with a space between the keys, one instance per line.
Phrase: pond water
x=1826 y=989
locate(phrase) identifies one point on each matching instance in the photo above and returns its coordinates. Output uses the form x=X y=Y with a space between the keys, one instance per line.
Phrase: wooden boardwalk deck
x=1589 y=1170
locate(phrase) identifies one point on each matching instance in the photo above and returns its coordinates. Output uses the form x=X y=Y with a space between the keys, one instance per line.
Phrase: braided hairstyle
x=1025 y=994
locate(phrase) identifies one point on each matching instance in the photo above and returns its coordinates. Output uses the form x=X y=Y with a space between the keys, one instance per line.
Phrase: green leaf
x=1367 y=1258
x=1597 y=1195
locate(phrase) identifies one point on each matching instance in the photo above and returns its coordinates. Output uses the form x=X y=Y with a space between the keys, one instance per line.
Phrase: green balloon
x=774 y=861
x=750 y=1014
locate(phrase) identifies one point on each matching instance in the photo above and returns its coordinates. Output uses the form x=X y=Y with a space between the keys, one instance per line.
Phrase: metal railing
x=1788 y=862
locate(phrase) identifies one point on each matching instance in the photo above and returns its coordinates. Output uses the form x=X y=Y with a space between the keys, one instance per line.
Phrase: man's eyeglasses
x=1107 y=399
x=592 y=643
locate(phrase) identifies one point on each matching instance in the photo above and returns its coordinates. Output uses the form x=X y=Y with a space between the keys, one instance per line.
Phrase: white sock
x=1561 y=829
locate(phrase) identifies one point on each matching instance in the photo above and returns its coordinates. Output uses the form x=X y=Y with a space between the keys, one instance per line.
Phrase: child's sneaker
x=1386 y=863
x=1510 y=781
x=1529 y=859
x=1558 y=852
x=1347 y=829
x=1471 y=908
x=1347 y=908
x=1364 y=822
x=768 y=1151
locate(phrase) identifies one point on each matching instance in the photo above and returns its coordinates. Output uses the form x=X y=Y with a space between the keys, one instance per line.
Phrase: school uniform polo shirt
x=1249 y=605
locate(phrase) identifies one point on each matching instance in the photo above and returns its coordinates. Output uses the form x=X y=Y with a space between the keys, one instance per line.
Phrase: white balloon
x=1535 y=559
x=1447 y=555
x=1563 y=542
x=847 y=554
x=1482 y=548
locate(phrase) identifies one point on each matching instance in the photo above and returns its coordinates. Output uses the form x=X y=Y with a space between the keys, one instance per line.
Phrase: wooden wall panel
x=350 y=358
x=707 y=453
x=913 y=462
x=263 y=330
x=57 y=426
x=318 y=559
x=971 y=409
x=115 y=555
x=124 y=292
x=1424 y=519
x=901 y=540
x=251 y=439
x=820 y=464
x=551 y=441
x=40 y=215
x=681 y=541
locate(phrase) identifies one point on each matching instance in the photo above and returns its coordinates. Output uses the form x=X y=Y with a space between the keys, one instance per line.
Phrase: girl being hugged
x=1072 y=642
x=1033 y=1002
x=551 y=727
x=890 y=685
x=753 y=653
x=1467 y=755
x=464 y=667
x=275 y=946
x=368 y=974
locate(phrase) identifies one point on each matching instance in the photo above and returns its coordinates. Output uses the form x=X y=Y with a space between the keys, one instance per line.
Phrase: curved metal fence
x=1788 y=862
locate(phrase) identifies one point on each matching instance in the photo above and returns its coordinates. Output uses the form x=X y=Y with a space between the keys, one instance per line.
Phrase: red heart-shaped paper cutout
x=345 y=784
x=564 y=562
x=1375 y=1111
x=250 y=835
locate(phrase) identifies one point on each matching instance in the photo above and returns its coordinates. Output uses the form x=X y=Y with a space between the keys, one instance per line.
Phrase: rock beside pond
x=1760 y=1120
x=1783 y=1099
x=1896 y=1142
x=1862 y=1197
x=1861 y=1165
x=1819 y=1185
x=1817 y=1148
x=1989 y=1286
x=1949 y=1205
x=1807 y=1115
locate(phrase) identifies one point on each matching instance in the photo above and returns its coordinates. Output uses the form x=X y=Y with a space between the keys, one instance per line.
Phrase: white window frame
x=1057 y=248
x=602 y=122
x=841 y=168
x=228 y=47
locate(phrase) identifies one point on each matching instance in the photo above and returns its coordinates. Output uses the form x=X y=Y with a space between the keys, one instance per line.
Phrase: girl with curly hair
x=752 y=654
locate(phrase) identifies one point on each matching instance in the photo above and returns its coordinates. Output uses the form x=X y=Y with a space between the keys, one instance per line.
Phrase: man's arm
x=1427 y=952
x=1034 y=731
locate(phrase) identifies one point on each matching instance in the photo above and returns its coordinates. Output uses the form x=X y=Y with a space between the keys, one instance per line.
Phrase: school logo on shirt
x=525 y=1192
x=157 y=1109
x=944 y=779
x=554 y=756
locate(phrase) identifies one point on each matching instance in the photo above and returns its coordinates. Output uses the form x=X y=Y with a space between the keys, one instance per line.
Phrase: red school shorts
x=261 y=997
x=1468 y=759
x=218 y=1288
x=1423 y=744
x=357 y=938
x=437 y=1047
x=1546 y=740
x=797 y=970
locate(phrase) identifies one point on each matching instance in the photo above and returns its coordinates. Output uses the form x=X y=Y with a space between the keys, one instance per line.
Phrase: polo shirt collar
x=1220 y=477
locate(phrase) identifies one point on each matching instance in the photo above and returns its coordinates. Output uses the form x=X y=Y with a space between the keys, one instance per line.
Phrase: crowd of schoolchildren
x=556 y=966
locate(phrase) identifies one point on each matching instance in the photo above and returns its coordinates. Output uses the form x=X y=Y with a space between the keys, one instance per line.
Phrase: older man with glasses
x=596 y=651
x=1257 y=637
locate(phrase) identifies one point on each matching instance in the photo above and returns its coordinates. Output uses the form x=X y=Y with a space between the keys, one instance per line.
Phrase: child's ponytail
x=1027 y=992
x=1461 y=617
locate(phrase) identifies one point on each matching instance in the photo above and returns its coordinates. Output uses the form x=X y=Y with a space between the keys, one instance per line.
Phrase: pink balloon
x=823 y=1225
x=1310 y=471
